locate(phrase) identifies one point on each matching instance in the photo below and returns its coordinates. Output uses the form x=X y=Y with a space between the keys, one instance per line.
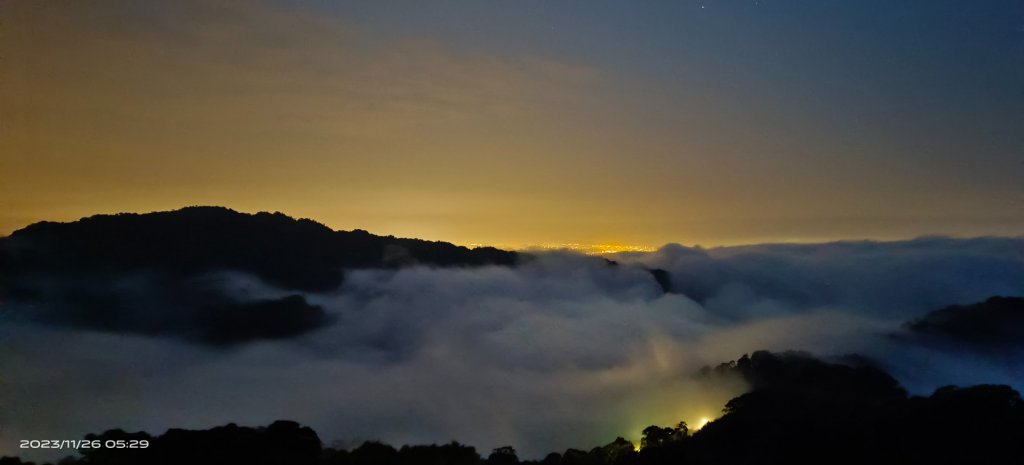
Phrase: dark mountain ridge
x=298 y=254
x=997 y=324
x=157 y=273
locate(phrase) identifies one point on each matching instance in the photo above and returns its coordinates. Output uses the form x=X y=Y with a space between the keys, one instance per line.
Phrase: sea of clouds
x=561 y=351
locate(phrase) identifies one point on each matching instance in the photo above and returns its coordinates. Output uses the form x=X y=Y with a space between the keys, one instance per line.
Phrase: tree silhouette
x=802 y=411
x=503 y=456
x=656 y=436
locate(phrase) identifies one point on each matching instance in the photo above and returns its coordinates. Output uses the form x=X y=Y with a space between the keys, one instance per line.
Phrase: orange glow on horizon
x=584 y=248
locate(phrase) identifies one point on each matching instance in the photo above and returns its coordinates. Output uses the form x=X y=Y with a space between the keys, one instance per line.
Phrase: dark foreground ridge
x=801 y=411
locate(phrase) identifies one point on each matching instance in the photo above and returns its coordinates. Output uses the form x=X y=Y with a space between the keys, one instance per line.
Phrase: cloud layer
x=561 y=351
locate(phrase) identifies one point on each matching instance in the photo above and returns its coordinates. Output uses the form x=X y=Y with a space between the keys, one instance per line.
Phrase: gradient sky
x=527 y=122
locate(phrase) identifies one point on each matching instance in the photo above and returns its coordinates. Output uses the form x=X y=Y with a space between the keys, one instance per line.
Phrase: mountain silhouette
x=162 y=273
x=993 y=325
x=155 y=273
x=298 y=254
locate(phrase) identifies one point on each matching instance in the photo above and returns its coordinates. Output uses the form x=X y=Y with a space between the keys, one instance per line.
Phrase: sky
x=523 y=123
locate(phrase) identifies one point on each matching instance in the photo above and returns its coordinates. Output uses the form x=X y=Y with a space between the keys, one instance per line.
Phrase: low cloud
x=883 y=279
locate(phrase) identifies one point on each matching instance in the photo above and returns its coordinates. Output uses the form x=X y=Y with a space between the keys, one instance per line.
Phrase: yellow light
x=703 y=421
